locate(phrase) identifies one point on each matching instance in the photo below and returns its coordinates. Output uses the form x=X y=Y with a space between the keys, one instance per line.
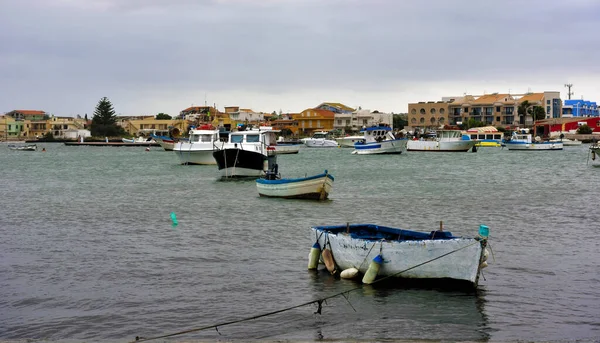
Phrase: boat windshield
x=237 y=138
x=252 y=138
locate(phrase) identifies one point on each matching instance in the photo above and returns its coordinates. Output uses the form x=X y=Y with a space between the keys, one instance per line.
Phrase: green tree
x=399 y=121
x=163 y=116
x=538 y=113
x=104 y=122
x=523 y=107
x=584 y=130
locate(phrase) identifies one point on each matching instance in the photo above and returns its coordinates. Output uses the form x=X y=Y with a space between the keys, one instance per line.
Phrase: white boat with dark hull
x=198 y=149
x=437 y=255
x=348 y=141
x=524 y=142
x=379 y=140
x=316 y=187
x=28 y=147
x=320 y=139
x=444 y=141
x=245 y=153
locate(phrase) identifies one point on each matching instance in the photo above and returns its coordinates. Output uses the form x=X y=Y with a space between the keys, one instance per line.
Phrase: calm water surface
x=87 y=250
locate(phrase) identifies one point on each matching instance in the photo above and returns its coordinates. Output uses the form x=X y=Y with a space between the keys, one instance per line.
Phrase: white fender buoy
x=349 y=273
x=486 y=253
x=483 y=265
x=313 y=256
x=328 y=259
x=373 y=270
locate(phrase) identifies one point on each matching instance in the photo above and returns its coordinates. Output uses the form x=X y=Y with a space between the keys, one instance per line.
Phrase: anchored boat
x=377 y=251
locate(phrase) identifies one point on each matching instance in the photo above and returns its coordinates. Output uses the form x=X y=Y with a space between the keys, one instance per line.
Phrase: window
x=548 y=109
x=497 y=118
x=413 y=111
x=318 y=123
x=432 y=111
x=310 y=123
x=548 y=102
x=414 y=121
x=205 y=138
x=237 y=138
x=422 y=111
x=339 y=122
x=432 y=120
x=365 y=121
x=252 y=138
x=422 y=120
x=497 y=108
x=442 y=111
x=347 y=121
x=441 y=120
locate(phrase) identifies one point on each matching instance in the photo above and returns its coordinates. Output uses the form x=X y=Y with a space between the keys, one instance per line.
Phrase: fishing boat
x=379 y=140
x=199 y=148
x=320 y=139
x=287 y=148
x=387 y=252
x=28 y=147
x=167 y=142
x=444 y=140
x=348 y=141
x=524 y=142
x=315 y=187
x=245 y=153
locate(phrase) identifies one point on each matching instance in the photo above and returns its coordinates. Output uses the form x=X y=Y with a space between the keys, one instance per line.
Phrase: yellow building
x=147 y=125
x=429 y=114
x=311 y=120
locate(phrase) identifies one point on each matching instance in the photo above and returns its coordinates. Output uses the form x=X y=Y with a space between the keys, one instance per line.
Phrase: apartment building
x=492 y=109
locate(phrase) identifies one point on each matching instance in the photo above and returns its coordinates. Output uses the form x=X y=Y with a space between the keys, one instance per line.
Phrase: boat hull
x=238 y=163
x=320 y=143
x=384 y=147
x=453 y=146
x=534 y=146
x=315 y=187
x=195 y=153
x=348 y=142
x=457 y=258
x=281 y=149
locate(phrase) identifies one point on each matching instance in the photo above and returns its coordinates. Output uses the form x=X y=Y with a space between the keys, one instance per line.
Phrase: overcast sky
x=151 y=56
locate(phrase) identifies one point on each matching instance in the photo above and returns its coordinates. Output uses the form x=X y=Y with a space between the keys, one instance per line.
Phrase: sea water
x=89 y=252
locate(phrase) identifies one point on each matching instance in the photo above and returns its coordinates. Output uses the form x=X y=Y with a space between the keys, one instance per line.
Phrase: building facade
x=491 y=109
x=580 y=108
x=312 y=119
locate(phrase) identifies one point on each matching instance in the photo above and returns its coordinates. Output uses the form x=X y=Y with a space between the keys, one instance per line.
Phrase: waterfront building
x=313 y=119
x=494 y=109
x=358 y=119
x=580 y=108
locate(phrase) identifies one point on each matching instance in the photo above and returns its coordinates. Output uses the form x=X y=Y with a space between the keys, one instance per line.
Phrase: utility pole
x=569 y=93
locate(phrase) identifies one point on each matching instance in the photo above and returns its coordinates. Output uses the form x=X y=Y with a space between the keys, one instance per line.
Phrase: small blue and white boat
x=437 y=256
x=379 y=140
x=316 y=187
x=524 y=141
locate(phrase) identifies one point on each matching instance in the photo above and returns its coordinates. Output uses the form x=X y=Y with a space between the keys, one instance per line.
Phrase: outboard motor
x=272 y=167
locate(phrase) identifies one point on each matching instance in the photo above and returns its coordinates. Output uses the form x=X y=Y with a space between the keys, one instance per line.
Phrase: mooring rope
x=319 y=302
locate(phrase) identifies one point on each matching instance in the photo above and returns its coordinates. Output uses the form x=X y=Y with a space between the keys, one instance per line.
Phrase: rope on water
x=319 y=303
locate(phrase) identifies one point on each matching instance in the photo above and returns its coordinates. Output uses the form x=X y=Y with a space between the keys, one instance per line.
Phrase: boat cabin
x=378 y=134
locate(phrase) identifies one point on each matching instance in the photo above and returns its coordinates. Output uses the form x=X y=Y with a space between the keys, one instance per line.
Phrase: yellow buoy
x=373 y=270
x=313 y=256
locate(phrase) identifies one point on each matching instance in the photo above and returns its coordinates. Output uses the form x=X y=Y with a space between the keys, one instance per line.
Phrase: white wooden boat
x=28 y=147
x=435 y=255
x=379 y=140
x=445 y=140
x=320 y=139
x=567 y=141
x=287 y=148
x=316 y=187
x=524 y=142
x=595 y=151
x=198 y=149
x=348 y=141
x=140 y=140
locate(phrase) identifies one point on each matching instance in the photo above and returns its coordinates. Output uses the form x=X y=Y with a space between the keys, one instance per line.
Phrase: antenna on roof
x=569 y=93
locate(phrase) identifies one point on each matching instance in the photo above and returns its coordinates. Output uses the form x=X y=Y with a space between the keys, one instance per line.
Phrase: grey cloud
x=282 y=46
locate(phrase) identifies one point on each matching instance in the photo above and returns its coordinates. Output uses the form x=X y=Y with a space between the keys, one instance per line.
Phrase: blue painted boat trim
x=373 y=232
x=284 y=181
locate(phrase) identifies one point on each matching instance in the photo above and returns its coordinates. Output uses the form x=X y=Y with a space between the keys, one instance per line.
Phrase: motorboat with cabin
x=379 y=140
x=245 y=152
x=320 y=139
x=198 y=149
x=443 y=140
